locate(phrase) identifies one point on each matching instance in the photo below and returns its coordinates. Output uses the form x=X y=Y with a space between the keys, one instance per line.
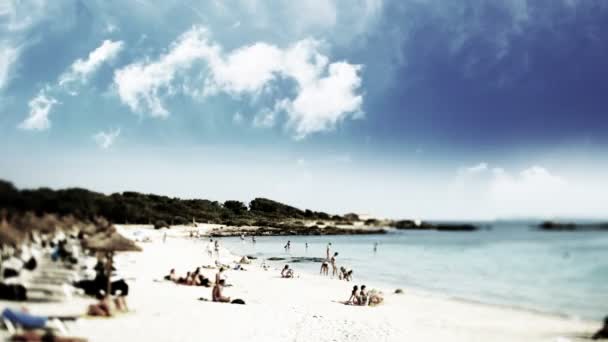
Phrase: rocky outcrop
x=446 y=227
x=570 y=226
x=282 y=229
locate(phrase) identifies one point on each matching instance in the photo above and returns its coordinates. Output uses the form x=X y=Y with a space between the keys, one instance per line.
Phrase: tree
x=235 y=206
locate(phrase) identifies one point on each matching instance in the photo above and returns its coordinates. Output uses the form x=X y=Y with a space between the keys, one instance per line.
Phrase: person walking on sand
x=253 y=239
x=327 y=251
x=288 y=245
x=375 y=247
x=334 y=268
x=306 y=245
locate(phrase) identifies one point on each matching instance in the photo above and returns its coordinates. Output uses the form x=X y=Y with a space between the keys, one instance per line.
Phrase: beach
x=305 y=308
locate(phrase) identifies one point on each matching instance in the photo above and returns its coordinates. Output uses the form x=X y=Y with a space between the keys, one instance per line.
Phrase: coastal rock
x=445 y=227
x=398 y=291
x=570 y=226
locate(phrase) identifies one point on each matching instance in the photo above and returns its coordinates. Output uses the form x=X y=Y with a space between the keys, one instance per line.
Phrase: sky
x=429 y=109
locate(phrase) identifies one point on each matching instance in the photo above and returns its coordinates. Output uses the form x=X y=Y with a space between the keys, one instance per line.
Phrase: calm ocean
x=511 y=264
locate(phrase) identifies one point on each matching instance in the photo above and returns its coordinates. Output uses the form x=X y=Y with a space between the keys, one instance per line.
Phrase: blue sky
x=410 y=108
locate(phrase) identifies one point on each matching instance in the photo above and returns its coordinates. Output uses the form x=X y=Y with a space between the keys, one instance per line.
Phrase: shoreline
x=182 y=232
x=421 y=291
x=306 y=308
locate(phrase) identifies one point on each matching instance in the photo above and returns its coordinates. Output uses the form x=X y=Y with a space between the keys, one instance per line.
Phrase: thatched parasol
x=110 y=244
x=8 y=234
x=48 y=223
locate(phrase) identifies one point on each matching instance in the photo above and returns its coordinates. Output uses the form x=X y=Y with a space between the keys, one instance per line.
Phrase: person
x=354 y=296
x=362 y=296
x=334 y=268
x=253 y=238
x=287 y=272
x=164 y=237
x=219 y=275
x=306 y=245
x=327 y=251
x=324 y=268
x=375 y=247
x=210 y=248
x=242 y=237
x=216 y=293
x=288 y=245
x=171 y=276
x=342 y=273
x=602 y=333
x=348 y=275
x=217 y=248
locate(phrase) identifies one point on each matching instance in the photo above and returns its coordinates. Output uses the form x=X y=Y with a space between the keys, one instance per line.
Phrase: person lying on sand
x=216 y=293
x=354 y=297
x=287 y=272
x=171 y=276
x=107 y=307
x=602 y=333
x=184 y=280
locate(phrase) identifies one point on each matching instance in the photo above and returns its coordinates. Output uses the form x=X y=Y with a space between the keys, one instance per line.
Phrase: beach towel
x=24 y=319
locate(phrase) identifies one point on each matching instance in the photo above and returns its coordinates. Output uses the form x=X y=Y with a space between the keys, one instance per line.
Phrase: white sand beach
x=302 y=309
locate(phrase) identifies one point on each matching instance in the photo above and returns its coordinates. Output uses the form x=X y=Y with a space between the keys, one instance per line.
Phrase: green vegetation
x=136 y=208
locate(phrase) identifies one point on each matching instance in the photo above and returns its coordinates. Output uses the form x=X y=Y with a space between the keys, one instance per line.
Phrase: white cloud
x=266 y=118
x=140 y=85
x=475 y=169
x=8 y=57
x=81 y=69
x=40 y=107
x=533 y=192
x=326 y=93
x=106 y=139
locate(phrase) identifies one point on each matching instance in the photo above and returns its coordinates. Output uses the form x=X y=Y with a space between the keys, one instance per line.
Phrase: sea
x=505 y=263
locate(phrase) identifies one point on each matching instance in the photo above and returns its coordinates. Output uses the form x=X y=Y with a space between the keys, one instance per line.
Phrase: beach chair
x=15 y=321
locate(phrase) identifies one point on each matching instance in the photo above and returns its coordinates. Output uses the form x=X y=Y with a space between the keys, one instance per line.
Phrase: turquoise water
x=555 y=272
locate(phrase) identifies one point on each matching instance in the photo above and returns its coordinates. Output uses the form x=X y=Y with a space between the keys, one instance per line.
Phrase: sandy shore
x=301 y=309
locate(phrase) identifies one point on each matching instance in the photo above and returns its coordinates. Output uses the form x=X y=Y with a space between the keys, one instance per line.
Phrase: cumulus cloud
x=140 y=85
x=42 y=104
x=325 y=93
x=81 y=69
x=534 y=191
x=38 y=117
x=106 y=139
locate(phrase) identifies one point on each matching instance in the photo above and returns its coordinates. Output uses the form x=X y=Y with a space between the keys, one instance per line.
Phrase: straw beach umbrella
x=8 y=236
x=110 y=244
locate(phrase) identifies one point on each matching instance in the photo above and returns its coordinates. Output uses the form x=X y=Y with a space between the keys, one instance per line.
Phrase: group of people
x=362 y=297
x=194 y=278
x=330 y=260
